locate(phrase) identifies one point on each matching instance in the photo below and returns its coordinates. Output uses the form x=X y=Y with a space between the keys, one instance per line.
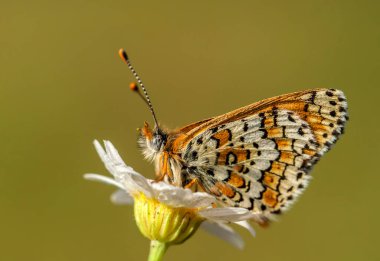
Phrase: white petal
x=161 y=186
x=179 y=197
x=112 y=152
x=247 y=226
x=120 y=197
x=173 y=196
x=224 y=232
x=103 y=179
x=201 y=200
x=108 y=162
x=99 y=149
x=113 y=162
x=228 y=214
x=135 y=184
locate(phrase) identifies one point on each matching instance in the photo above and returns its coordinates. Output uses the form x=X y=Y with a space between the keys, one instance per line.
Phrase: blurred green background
x=62 y=85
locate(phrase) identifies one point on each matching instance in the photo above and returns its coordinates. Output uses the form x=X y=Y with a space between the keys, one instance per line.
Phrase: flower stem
x=157 y=250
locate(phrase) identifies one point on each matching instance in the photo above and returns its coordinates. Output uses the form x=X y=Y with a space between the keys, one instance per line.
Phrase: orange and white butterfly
x=257 y=157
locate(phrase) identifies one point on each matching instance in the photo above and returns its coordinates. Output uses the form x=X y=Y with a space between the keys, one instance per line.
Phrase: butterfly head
x=152 y=141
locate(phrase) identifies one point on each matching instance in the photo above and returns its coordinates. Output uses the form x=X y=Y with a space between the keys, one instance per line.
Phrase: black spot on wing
x=231 y=158
x=245 y=127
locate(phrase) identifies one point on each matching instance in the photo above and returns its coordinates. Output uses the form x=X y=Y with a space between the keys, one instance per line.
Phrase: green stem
x=157 y=250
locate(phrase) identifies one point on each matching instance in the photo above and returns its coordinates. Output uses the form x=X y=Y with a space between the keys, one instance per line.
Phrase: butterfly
x=256 y=157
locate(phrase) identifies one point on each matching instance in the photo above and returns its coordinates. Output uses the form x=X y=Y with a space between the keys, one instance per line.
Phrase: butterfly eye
x=158 y=141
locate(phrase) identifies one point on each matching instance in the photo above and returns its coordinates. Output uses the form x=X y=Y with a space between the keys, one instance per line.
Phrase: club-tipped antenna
x=123 y=55
x=135 y=88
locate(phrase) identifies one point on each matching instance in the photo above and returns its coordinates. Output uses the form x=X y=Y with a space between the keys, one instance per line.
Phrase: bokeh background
x=62 y=85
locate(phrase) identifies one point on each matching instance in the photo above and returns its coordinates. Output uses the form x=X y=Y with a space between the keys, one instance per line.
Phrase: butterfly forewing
x=258 y=157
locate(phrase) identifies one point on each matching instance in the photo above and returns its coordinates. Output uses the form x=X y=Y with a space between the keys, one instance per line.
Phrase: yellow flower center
x=163 y=223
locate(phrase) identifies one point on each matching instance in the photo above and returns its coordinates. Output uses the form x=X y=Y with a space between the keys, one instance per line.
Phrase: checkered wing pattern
x=260 y=157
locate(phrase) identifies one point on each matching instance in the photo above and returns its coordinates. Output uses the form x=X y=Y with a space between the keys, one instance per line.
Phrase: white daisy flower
x=166 y=214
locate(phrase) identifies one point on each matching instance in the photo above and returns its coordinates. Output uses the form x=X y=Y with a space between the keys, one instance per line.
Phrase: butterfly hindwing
x=255 y=162
x=260 y=160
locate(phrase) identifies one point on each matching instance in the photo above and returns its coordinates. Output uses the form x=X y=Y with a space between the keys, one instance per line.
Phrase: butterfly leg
x=160 y=176
x=191 y=183
x=194 y=184
x=165 y=169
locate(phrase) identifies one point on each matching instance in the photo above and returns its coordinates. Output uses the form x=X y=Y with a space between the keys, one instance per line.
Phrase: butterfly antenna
x=134 y=87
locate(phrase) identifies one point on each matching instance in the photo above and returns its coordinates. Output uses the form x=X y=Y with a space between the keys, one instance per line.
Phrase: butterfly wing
x=193 y=125
x=259 y=157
